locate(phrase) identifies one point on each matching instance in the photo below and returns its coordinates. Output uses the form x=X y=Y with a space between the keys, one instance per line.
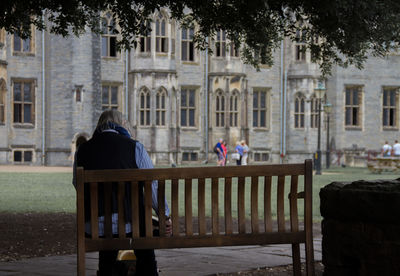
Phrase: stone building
x=180 y=101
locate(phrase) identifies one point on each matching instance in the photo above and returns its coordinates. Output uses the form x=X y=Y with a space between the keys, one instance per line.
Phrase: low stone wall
x=361 y=228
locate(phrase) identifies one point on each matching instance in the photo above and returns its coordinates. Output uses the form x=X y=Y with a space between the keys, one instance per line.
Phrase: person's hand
x=168 y=227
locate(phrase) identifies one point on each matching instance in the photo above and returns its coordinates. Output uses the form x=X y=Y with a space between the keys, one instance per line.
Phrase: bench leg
x=296 y=259
x=81 y=261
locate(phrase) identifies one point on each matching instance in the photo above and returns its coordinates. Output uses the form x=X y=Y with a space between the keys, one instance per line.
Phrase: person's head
x=221 y=140
x=395 y=141
x=386 y=142
x=111 y=116
x=243 y=142
x=224 y=142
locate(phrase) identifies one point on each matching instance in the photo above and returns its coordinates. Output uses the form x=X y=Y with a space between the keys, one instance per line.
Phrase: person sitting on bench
x=111 y=147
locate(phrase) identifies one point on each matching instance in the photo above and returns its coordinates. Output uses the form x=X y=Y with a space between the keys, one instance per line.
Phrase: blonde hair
x=112 y=116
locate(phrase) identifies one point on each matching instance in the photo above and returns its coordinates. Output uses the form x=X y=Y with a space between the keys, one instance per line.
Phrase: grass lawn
x=53 y=192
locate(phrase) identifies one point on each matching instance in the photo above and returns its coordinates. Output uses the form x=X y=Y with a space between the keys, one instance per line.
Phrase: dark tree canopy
x=339 y=32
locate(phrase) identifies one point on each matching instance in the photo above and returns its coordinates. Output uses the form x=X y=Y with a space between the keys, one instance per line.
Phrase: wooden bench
x=226 y=185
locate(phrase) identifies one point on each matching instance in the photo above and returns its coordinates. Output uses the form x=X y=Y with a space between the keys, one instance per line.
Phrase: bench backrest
x=225 y=185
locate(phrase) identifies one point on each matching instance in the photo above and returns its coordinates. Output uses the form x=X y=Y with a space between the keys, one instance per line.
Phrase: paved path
x=172 y=262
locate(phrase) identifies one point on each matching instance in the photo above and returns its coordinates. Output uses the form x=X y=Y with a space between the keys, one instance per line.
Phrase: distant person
x=245 y=152
x=386 y=149
x=220 y=152
x=225 y=151
x=239 y=150
x=396 y=149
x=111 y=147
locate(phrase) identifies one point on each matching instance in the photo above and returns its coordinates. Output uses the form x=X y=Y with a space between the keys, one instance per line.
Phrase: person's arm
x=143 y=161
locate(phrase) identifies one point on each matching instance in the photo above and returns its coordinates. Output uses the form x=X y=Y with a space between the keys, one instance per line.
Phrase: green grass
x=53 y=192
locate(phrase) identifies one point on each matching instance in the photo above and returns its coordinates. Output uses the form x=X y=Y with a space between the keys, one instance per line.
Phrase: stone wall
x=360 y=228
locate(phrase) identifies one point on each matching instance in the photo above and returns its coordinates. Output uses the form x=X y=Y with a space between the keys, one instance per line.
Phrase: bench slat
x=182 y=173
x=196 y=241
x=241 y=206
x=188 y=207
x=267 y=204
x=148 y=208
x=294 y=223
x=161 y=207
x=202 y=206
x=175 y=207
x=121 y=215
x=254 y=204
x=228 y=205
x=135 y=209
x=214 y=205
x=281 y=203
x=94 y=210
x=108 y=208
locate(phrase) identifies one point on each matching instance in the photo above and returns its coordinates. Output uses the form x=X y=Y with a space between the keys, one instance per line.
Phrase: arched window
x=108 y=36
x=299 y=112
x=234 y=109
x=314 y=104
x=161 y=35
x=144 y=108
x=220 y=44
x=220 y=110
x=160 y=107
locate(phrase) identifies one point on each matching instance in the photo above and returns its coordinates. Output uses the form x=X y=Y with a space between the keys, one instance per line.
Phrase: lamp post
x=327 y=110
x=319 y=93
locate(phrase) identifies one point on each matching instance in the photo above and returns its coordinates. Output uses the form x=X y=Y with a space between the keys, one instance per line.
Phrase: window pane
x=17 y=113
x=27 y=45
x=355 y=97
x=148 y=100
x=217 y=104
x=104 y=95
x=18 y=156
x=392 y=117
x=148 y=44
x=385 y=117
x=355 y=117
x=184 y=34
x=27 y=93
x=142 y=44
x=255 y=100
x=191 y=51
x=191 y=117
x=113 y=46
x=185 y=156
x=193 y=156
x=183 y=97
x=302 y=121
x=262 y=100
x=183 y=117
x=262 y=118
x=392 y=98
x=17 y=91
x=163 y=101
x=104 y=46
x=348 y=97
x=17 y=43
x=255 y=118
x=158 y=118
x=114 y=95
x=1 y=114
x=163 y=118
x=191 y=33
x=104 y=26
x=192 y=98
x=163 y=28
x=147 y=118
x=157 y=27
x=27 y=113
x=142 y=100
x=142 y=118
x=302 y=105
x=348 y=116
x=385 y=97
x=222 y=103
x=184 y=50
x=296 y=105
x=27 y=156
x=296 y=120
x=158 y=101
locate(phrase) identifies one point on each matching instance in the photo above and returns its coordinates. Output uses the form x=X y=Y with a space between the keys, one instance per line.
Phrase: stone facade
x=68 y=76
